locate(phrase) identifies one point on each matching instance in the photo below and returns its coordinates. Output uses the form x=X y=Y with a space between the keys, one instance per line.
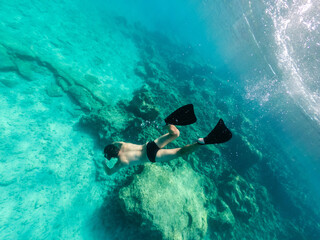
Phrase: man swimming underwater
x=129 y=154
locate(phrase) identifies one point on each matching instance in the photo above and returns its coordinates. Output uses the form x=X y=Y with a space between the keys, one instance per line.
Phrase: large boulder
x=168 y=203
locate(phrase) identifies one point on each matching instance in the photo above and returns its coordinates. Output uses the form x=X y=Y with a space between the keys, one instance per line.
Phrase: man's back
x=132 y=154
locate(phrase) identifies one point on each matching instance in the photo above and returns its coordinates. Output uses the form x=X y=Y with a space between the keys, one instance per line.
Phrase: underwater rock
x=146 y=69
x=239 y=195
x=121 y=21
x=151 y=69
x=5 y=62
x=104 y=121
x=62 y=83
x=220 y=216
x=222 y=106
x=83 y=97
x=223 y=218
x=200 y=80
x=140 y=70
x=203 y=69
x=246 y=150
x=244 y=154
x=54 y=91
x=142 y=105
x=180 y=71
x=140 y=131
x=209 y=163
x=26 y=68
x=168 y=204
x=9 y=82
x=92 y=79
x=197 y=73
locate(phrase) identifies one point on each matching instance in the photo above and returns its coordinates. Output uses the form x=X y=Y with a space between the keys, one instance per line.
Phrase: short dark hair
x=111 y=150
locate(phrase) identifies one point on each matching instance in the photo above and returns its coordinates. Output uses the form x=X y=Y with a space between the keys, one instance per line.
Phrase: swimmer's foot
x=219 y=134
x=201 y=141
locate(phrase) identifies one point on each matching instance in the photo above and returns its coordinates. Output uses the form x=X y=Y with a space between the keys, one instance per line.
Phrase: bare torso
x=129 y=155
x=132 y=154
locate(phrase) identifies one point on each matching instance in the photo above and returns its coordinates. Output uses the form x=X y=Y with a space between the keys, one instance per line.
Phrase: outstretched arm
x=108 y=170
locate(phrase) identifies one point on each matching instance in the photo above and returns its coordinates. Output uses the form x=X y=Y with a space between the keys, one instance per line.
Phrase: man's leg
x=172 y=134
x=169 y=154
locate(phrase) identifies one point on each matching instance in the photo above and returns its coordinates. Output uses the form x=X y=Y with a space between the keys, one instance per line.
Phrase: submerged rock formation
x=142 y=105
x=168 y=204
x=239 y=195
x=222 y=219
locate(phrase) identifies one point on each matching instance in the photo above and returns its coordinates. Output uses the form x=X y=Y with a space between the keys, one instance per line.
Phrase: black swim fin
x=182 y=116
x=219 y=134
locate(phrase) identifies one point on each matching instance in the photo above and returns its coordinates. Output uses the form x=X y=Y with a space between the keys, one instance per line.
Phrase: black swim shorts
x=152 y=149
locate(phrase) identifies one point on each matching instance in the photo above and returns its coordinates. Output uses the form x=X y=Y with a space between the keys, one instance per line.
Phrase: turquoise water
x=76 y=75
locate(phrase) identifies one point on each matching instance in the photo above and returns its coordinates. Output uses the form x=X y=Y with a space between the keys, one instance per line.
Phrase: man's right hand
x=106 y=168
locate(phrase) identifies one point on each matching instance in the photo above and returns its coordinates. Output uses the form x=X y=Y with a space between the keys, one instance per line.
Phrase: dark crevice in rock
x=77 y=90
x=8 y=69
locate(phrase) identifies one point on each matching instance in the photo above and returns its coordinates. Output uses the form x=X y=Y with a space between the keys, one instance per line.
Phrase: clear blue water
x=61 y=60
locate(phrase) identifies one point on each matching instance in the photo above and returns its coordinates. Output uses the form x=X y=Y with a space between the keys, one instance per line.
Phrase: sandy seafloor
x=71 y=81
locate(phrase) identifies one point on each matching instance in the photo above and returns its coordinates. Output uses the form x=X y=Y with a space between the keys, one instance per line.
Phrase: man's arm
x=108 y=170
